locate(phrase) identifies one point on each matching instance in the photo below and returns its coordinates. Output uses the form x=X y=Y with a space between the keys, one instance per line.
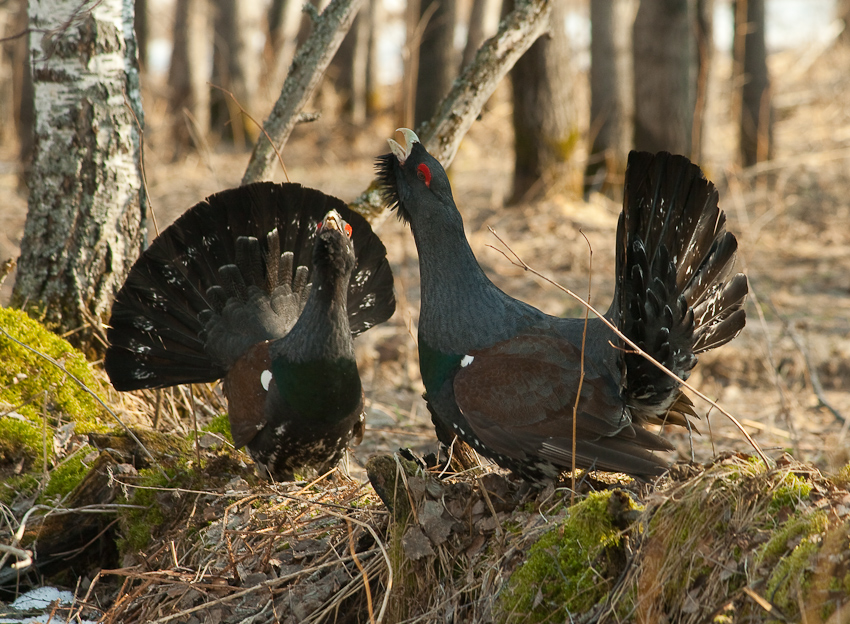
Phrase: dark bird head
x=414 y=182
x=333 y=253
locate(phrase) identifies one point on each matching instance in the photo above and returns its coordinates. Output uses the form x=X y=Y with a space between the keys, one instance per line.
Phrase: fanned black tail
x=674 y=295
x=232 y=271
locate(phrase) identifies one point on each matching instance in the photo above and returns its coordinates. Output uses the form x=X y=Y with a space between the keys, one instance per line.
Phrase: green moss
x=138 y=525
x=842 y=478
x=66 y=476
x=20 y=440
x=221 y=426
x=33 y=386
x=789 y=574
x=566 y=570
x=790 y=491
x=18 y=486
x=160 y=503
x=794 y=527
x=788 y=568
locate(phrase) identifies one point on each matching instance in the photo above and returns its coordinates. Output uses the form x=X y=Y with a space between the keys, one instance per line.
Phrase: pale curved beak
x=403 y=153
x=332 y=220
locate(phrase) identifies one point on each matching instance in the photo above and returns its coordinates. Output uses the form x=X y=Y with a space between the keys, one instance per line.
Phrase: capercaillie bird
x=503 y=376
x=265 y=286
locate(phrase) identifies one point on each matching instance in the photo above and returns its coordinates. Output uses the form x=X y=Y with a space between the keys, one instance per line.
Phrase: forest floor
x=791 y=217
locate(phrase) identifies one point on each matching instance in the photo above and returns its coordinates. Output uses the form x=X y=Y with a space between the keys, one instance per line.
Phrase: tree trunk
x=375 y=14
x=18 y=86
x=437 y=66
x=756 y=117
x=189 y=94
x=350 y=65
x=664 y=65
x=705 y=53
x=142 y=26
x=611 y=94
x=284 y=22
x=85 y=225
x=235 y=68
x=545 y=113
x=483 y=23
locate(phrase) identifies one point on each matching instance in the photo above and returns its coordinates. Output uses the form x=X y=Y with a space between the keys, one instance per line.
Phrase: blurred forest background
x=755 y=91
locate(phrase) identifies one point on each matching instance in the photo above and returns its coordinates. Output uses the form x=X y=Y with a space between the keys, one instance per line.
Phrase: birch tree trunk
x=85 y=224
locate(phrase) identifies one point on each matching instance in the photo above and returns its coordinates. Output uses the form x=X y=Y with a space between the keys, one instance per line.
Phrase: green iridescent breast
x=435 y=366
x=325 y=390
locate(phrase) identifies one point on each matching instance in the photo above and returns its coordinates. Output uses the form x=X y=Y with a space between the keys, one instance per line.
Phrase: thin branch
x=271 y=583
x=304 y=76
x=817 y=387
x=581 y=374
x=256 y=123
x=521 y=263
x=442 y=135
x=384 y=553
x=142 y=168
x=24 y=557
x=363 y=572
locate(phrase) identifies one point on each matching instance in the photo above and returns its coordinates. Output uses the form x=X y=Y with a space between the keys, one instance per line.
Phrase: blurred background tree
x=611 y=99
x=545 y=109
x=609 y=76
x=754 y=106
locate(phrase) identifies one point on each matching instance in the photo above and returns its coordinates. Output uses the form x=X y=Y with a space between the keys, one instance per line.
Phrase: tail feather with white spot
x=675 y=294
x=232 y=271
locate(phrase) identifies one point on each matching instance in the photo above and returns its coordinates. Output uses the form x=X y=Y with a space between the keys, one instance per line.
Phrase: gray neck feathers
x=461 y=308
x=322 y=330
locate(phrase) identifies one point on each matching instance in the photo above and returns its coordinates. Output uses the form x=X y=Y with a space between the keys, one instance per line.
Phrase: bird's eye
x=424 y=174
x=348 y=230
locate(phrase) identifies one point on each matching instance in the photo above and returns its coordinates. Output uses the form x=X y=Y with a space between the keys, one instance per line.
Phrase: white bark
x=85 y=222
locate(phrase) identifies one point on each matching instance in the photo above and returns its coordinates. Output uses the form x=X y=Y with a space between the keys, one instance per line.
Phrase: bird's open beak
x=402 y=153
x=332 y=220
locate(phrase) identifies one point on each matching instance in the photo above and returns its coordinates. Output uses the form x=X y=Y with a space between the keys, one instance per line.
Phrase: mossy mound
x=739 y=542
x=38 y=397
x=572 y=567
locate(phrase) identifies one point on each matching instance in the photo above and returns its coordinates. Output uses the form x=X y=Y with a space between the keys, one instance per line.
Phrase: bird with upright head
x=503 y=376
x=265 y=286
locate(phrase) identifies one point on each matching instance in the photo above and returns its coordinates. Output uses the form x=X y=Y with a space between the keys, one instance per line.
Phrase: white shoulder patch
x=466 y=360
x=265 y=379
